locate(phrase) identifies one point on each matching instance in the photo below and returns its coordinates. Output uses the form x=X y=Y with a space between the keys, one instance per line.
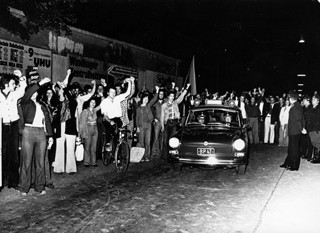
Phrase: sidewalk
x=84 y=174
x=294 y=205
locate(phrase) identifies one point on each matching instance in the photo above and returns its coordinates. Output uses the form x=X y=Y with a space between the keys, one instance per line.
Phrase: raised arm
x=89 y=95
x=181 y=96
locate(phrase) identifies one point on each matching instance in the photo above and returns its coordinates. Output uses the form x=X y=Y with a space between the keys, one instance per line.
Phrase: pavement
x=83 y=174
x=151 y=197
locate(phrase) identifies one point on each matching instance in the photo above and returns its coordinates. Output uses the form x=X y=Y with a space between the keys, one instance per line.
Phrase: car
x=213 y=135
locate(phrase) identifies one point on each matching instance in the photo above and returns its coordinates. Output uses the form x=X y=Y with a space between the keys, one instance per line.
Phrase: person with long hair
x=88 y=131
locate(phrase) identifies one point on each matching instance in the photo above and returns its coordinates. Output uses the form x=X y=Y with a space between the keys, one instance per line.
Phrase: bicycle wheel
x=122 y=157
x=107 y=153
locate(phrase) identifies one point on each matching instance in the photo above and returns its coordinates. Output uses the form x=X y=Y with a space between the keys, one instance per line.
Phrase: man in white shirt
x=111 y=108
x=9 y=97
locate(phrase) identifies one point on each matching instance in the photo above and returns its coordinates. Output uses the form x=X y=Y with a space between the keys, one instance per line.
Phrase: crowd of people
x=42 y=121
x=45 y=120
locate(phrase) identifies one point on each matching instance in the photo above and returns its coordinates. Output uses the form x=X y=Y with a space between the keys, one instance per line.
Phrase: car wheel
x=242 y=169
x=177 y=167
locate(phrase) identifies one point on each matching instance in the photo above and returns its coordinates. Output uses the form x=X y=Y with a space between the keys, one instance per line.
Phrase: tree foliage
x=54 y=15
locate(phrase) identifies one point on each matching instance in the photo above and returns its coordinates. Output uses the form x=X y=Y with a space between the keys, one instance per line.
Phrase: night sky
x=237 y=44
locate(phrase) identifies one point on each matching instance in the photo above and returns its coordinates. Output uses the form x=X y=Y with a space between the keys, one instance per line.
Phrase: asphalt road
x=154 y=198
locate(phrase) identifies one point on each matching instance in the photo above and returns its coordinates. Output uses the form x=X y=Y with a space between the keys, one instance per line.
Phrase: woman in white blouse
x=283 y=131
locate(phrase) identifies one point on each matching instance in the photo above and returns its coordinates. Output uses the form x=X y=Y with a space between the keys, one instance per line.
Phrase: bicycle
x=117 y=150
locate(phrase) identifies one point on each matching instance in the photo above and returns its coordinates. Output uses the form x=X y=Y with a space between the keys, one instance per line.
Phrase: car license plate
x=205 y=151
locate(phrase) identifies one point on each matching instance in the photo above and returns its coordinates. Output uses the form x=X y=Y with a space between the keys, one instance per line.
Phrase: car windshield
x=218 y=117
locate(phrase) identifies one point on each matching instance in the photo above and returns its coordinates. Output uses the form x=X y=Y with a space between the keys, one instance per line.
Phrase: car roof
x=211 y=106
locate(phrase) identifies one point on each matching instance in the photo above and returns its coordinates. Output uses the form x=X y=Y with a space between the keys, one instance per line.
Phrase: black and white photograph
x=159 y=116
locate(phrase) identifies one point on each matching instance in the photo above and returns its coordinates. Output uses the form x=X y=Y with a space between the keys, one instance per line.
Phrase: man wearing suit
x=295 y=129
x=313 y=122
x=271 y=119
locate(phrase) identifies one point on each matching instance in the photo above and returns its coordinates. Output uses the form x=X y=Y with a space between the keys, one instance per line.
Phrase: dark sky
x=237 y=44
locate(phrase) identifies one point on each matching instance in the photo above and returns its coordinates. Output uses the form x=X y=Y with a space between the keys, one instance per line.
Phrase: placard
x=18 y=56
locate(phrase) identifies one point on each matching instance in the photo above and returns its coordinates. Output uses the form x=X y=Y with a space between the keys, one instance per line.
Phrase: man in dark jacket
x=306 y=147
x=314 y=127
x=253 y=113
x=157 y=136
x=37 y=125
x=295 y=129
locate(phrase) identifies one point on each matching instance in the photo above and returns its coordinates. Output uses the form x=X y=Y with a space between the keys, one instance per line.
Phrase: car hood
x=218 y=135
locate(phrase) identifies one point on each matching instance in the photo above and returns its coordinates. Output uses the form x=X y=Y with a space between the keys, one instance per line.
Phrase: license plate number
x=205 y=151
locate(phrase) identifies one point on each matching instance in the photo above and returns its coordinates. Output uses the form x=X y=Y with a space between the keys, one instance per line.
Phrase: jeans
x=144 y=139
x=254 y=133
x=10 y=154
x=47 y=170
x=157 y=139
x=170 y=128
x=90 y=146
x=34 y=143
x=283 y=135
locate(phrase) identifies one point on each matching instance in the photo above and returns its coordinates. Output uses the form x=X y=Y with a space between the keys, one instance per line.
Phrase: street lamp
x=301 y=41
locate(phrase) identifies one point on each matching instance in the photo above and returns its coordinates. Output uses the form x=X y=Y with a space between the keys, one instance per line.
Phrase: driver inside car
x=201 y=118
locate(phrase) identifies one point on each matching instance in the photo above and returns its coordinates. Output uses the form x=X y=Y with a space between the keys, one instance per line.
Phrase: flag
x=191 y=78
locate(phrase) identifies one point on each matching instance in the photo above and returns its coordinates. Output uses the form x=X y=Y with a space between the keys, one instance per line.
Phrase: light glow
x=239 y=144
x=174 y=143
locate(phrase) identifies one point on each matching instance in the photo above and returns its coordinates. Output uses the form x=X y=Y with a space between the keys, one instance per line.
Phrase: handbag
x=136 y=154
x=79 y=150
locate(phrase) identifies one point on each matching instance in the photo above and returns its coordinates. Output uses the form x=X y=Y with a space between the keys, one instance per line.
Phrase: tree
x=54 y=15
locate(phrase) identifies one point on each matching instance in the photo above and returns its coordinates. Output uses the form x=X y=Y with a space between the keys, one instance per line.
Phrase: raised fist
x=17 y=73
x=44 y=81
x=68 y=71
x=188 y=85
x=93 y=82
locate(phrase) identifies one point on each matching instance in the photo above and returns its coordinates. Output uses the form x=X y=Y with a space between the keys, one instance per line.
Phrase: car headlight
x=239 y=144
x=174 y=143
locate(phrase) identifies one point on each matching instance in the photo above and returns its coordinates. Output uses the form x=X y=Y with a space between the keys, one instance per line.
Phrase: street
x=154 y=198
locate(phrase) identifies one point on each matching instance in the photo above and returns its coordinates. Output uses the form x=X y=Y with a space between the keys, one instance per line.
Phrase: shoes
x=50 y=186
x=43 y=192
x=96 y=165
x=71 y=173
x=317 y=160
x=146 y=159
x=283 y=165
x=23 y=194
x=16 y=187
x=86 y=165
x=291 y=169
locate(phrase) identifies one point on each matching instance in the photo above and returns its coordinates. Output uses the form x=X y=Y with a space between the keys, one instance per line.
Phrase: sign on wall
x=85 y=69
x=18 y=56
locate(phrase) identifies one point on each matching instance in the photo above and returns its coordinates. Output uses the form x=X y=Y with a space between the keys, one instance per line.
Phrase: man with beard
x=157 y=136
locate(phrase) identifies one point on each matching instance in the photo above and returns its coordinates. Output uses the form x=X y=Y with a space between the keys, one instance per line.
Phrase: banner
x=191 y=78
x=85 y=69
x=18 y=56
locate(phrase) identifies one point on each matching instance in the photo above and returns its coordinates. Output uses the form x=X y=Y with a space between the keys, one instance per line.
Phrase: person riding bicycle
x=111 y=108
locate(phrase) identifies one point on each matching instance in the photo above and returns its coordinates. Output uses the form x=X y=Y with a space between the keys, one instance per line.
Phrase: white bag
x=79 y=152
x=136 y=154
